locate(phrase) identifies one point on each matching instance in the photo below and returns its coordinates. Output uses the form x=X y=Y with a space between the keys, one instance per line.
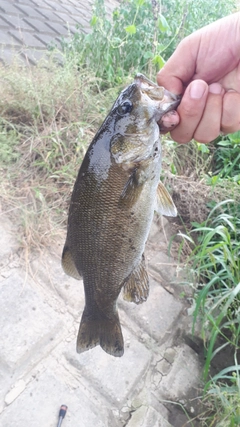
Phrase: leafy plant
x=140 y=35
x=9 y=139
x=226 y=159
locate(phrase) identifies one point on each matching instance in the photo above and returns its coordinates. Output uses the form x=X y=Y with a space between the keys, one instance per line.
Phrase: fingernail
x=215 y=88
x=197 y=89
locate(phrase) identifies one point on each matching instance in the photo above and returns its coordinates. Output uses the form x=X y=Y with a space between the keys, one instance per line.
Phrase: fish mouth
x=170 y=101
x=167 y=101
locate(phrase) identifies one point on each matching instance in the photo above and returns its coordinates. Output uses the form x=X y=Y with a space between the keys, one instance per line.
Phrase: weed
x=216 y=262
x=215 y=259
x=140 y=35
x=226 y=159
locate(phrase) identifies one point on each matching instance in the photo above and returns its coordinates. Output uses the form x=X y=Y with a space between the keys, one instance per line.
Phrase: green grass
x=215 y=261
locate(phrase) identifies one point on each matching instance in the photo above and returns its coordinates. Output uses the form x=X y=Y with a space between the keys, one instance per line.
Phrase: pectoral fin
x=133 y=187
x=136 y=287
x=68 y=264
x=165 y=205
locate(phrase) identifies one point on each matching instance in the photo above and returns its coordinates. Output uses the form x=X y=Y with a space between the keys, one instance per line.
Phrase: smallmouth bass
x=111 y=210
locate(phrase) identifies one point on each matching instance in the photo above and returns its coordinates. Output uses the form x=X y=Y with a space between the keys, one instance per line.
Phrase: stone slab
x=116 y=378
x=27 y=39
x=184 y=375
x=30 y=11
x=157 y=315
x=39 y=26
x=17 y=22
x=39 y=405
x=9 y=8
x=8 y=241
x=7 y=39
x=147 y=417
x=58 y=27
x=47 y=271
x=29 y=325
x=64 y=17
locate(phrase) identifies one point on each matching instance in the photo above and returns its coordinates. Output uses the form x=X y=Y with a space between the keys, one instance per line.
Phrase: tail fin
x=101 y=331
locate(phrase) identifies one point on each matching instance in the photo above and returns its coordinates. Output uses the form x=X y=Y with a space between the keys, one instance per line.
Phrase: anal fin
x=136 y=287
x=68 y=264
x=165 y=205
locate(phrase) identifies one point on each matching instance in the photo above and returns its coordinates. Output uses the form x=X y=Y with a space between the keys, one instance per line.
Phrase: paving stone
x=163 y=264
x=39 y=405
x=50 y=15
x=77 y=2
x=157 y=315
x=163 y=367
x=49 y=273
x=57 y=6
x=18 y=388
x=32 y=56
x=30 y=325
x=18 y=22
x=3 y=23
x=66 y=18
x=42 y=4
x=147 y=417
x=170 y=354
x=39 y=26
x=9 y=8
x=75 y=11
x=48 y=40
x=32 y=12
x=7 y=39
x=58 y=28
x=31 y=3
x=27 y=39
x=8 y=241
x=115 y=377
x=183 y=375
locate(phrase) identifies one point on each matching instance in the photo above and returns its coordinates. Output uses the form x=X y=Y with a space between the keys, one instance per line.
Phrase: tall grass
x=215 y=259
x=48 y=116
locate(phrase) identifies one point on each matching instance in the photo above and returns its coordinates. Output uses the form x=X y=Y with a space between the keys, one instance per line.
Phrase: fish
x=116 y=192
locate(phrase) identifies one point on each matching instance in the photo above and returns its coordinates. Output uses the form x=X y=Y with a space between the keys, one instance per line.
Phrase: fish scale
x=111 y=211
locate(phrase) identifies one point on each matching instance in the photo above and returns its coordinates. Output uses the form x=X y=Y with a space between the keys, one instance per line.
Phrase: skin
x=205 y=69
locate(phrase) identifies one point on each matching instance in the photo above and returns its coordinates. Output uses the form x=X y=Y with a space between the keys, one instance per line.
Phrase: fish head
x=156 y=96
x=136 y=112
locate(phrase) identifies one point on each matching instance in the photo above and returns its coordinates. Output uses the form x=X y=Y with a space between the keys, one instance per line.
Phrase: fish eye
x=125 y=108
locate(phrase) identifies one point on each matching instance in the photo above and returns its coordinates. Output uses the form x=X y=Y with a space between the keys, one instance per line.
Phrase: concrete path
x=40 y=310
x=40 y=307
x=29 y=26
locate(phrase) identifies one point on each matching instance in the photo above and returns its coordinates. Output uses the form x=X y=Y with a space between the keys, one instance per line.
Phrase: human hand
x=205 y=68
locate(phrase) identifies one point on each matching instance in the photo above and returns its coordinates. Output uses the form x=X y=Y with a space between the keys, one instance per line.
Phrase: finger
x=210 y=124
x=190 y=111
x=231 y=112
x=176 y=72
x=169 y=121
